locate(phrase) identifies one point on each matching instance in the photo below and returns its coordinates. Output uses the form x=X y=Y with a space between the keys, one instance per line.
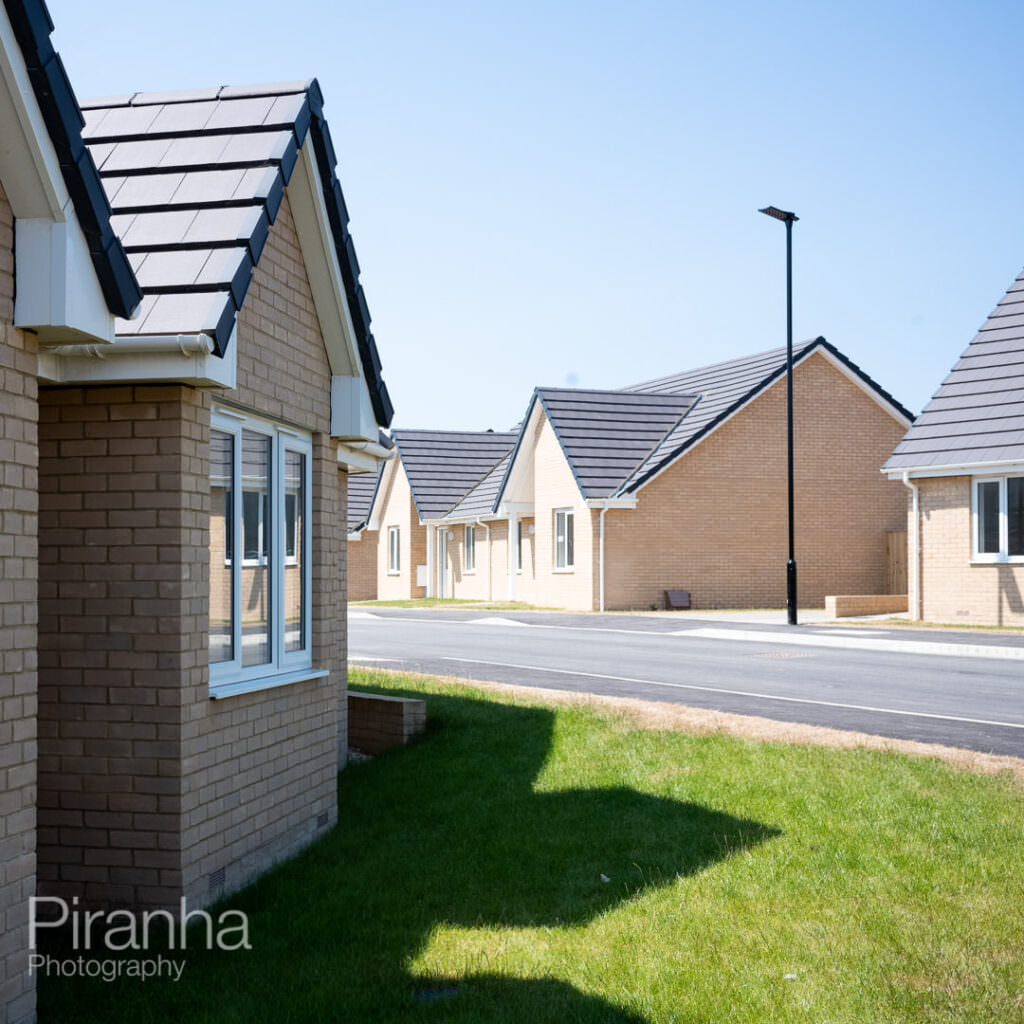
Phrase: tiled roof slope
x=977 y=415
x=606 y=435
x=443 y=466
x=362 y=487
x=32 y=27
x=723 y=388
x=195 y=179
x=480 y=500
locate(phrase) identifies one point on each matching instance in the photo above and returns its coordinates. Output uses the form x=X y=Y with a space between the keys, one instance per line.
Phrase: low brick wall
x=377 y=723
x=864 y=604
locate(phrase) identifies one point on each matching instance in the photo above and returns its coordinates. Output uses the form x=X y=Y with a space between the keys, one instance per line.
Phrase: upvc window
x=564 y=540
x=519 y=545
x=260 y=541
x=998 y=519
x=470 y=546
x=394 y=549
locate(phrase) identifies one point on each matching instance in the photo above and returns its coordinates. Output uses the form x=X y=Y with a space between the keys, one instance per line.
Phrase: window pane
x=519 y=544
x=296 y=562
x=569 y=539
x=222 y=460
x=1015 y=514
x=988 y=517
x=256 y=529
x=470 y=548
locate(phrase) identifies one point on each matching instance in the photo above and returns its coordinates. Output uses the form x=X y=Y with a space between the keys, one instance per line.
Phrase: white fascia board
x=357 y=460
x=966 y=469
x=600 y=503
x=305 y=194
x=172 y=359
x=781 y=379
x=58 y=294
x=352 y=416
x=486 y=517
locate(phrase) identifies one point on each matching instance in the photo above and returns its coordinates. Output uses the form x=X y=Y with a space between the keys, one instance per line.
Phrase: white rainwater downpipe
x=600 y=559
x=914 y=572
x=479 y=522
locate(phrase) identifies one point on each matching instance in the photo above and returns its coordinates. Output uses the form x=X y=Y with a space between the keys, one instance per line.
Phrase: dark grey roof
x=32 y=27
x=480 y=500
x=362 y=488
x=443 y=466
x=724 y=388
x=607 y=435
x=977 y=415
x=195 y=180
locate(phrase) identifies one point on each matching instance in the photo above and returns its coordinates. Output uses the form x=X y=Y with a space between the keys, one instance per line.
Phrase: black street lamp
x=787 y=219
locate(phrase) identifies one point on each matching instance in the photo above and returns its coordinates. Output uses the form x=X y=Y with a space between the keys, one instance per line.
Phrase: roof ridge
x=169 y=97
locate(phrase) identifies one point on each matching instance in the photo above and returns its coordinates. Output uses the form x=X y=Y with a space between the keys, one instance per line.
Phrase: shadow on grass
x=448 y=832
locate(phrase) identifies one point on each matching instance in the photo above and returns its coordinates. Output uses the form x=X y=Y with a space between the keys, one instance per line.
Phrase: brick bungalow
x=613 y=497
x=963 y=463
x=178 y=425
x=431 y=472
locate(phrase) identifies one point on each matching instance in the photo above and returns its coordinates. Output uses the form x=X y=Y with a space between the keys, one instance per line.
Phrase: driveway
x=951 y=687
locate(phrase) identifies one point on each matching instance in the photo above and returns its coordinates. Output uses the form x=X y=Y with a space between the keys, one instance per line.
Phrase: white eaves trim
x=177 y=358
x=58 y=294
x=605 y=503
x=362 y=456
x=964 y=469
x=781 y=379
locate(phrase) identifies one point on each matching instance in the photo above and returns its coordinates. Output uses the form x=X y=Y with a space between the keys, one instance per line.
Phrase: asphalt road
x=956 y=688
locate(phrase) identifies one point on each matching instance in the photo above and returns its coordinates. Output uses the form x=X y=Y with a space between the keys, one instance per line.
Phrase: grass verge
x=531 y=863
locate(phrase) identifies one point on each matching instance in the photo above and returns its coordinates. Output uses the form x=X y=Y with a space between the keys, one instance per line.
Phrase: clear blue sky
x=566 y=192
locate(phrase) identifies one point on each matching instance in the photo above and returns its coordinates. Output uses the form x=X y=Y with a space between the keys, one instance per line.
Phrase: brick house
x=188 y=376
x=362 y=541
x=963 y=463
x=613 y=497
x=431 y=471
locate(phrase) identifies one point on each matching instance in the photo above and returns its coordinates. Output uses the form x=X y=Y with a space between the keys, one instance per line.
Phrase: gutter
x=371 y=448
x=914 y=570
x=170 y=344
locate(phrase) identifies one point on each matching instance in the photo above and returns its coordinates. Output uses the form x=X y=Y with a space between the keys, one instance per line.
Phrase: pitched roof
x=443 y=466
x=723 y=389
x=977 y=414
x=606 y=435
x=195 y=179
x=362 y=488
x=32 y=27
x=480 y=500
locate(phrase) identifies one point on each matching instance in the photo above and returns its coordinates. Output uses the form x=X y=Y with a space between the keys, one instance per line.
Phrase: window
x=260 y=538
x=519 y=545
x=394 y=549
x=564 y=558
x=470 y=559
x=998 y=516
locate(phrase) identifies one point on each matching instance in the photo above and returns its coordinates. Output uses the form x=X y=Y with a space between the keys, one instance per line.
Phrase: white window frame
x=1002 y=555
x=394 y=550
x=228 y=678
x=561 y=561
x=519 y=545
x=469 y=544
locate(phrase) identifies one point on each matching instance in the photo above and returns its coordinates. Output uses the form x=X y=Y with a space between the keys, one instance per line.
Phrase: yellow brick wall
x=148 y=789
x=398 y=509
x=18 y=620
x=715 y=522
x=953 y=590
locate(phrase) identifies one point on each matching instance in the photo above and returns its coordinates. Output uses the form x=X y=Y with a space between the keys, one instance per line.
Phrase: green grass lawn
x=526 y=864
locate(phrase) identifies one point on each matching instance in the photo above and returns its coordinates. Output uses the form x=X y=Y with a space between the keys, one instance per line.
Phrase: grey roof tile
x=975 y=416
x=175 y=118
x=185 y=312
x=202 y=187
x=167 y=269
x=133 y=155
x=444 y=466
x=362 y=487
x=195 y=151
x=152 y=229
x=235 y=223
x=481 y=499
x=144 y=190
x=119 y=122
x=230 y=92
x=142 y=99
x=242 y=113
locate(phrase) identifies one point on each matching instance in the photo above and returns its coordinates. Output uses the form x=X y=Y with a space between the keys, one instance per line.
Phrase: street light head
x=774 y=211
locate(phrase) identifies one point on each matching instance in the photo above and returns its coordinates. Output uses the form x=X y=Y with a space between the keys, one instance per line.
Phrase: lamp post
x=788 y=219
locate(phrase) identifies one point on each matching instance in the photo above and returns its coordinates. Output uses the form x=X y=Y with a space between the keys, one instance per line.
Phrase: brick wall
x=148 y=789
x=18 y=574
x=715 y=523
x=362 y=567
x=953 y=589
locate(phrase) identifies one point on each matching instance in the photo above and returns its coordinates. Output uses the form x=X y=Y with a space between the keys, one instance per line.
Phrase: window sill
x=1011 y=560
x=563 y=572
x=218 y=691
x=469 y=572
x=394 y=572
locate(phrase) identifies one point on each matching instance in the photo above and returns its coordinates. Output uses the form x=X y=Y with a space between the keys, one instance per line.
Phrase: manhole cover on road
x=780 y=654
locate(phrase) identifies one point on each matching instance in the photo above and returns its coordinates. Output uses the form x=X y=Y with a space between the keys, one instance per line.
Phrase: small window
x=470 y=557
x=564 y=540
x=394 y=549
x=998 y=525
x=519 y=545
